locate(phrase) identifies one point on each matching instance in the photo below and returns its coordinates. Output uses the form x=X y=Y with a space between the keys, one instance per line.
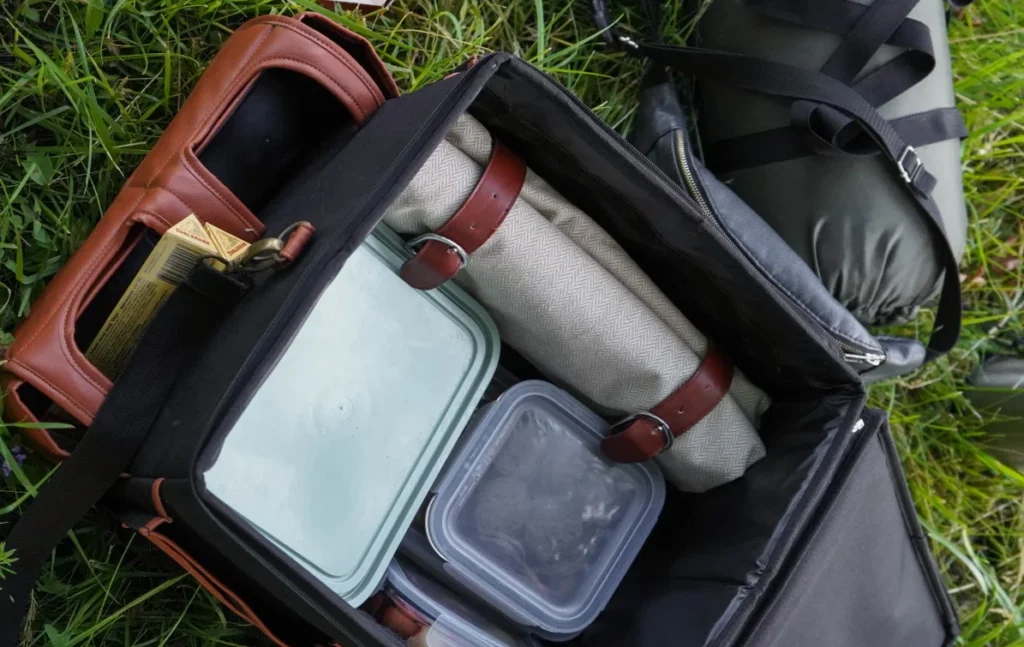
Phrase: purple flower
x=19 y=455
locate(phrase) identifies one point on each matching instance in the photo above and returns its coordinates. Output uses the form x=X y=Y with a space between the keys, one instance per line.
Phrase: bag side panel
x=865 y=577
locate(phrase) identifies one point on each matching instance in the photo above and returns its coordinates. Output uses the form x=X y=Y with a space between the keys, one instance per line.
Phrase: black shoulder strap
x=120 y=427
x=828 y=97
x=821 y=129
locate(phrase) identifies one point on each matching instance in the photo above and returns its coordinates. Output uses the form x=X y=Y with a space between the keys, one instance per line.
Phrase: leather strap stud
x=643 y=435
x=441 y=254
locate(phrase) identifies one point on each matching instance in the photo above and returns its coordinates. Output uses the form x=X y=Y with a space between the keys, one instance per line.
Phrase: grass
x=86 y=86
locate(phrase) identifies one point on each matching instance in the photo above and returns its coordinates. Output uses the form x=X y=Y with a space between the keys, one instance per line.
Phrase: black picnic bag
x=817 y=544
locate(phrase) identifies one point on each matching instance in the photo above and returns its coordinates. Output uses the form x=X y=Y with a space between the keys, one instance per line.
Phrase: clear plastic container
x=334 y=454
x=448 y=621
x=534 y=519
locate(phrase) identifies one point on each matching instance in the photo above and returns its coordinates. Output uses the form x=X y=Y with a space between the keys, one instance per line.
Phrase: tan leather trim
x=16 y=411
x=367 y=61
x=158 y=502
x=297 y=241
x=115 y=263
x=356 y=89
x=224 y=595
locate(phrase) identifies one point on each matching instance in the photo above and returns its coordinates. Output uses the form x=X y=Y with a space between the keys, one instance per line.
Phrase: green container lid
x=339 y=446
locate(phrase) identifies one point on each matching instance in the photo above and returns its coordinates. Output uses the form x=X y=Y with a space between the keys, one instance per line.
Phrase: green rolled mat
x=847 y=215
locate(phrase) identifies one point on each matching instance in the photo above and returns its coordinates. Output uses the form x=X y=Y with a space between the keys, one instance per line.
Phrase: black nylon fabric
x=871 y=513
x=845 y=211
x=660 y=132
x=861 y=574
x=116 y=434
x=788 y=81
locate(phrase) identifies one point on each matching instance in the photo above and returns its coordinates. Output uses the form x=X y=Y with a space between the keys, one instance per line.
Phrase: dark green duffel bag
x=834 y=121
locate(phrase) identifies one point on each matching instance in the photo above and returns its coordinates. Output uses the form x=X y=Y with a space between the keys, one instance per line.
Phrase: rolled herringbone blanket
x=568 y=298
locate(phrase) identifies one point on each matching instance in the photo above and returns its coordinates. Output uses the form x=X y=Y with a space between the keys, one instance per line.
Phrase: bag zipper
x=852 y=354
x=691 y=182
x=258 y=346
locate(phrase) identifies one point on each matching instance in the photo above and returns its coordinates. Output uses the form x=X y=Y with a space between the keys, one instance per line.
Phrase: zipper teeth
x=350 y=216
x=850 y=351
x=684 y=166
x=853 y=353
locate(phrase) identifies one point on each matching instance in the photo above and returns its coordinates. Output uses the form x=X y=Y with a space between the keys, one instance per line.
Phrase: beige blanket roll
x=568 y=298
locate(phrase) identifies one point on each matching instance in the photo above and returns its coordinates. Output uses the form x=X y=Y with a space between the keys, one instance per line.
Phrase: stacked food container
x=529 y=529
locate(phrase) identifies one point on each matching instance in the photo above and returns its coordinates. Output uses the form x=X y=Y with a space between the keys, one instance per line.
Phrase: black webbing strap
x=818 y=129
x=779 y=79
x=120 y=427
x=822 y=130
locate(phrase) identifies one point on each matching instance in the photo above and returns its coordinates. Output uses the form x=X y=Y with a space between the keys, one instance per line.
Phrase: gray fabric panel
x=860 y=582
x=848 y=217
x=565 y=295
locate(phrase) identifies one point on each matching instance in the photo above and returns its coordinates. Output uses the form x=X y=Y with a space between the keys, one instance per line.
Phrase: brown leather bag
x=168 y=185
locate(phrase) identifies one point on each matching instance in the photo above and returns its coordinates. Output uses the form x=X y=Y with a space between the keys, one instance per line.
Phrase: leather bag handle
x=170 y=183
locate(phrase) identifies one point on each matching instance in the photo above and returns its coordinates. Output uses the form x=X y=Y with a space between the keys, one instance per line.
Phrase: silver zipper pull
x=857 y=426
x=872 y=359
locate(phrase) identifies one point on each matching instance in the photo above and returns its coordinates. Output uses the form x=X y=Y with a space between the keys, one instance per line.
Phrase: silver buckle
x=908 y=175
x=663 y=427
x=414 y=244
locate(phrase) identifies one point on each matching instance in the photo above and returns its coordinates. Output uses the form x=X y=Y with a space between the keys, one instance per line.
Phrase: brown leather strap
x=479 y=217
x=208 y=581
x=395 y=618
x=644 y=437
x=297 y=240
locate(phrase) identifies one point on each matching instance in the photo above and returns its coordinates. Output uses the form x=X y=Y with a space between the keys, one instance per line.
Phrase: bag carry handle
x=171 y=182
x=813 y=88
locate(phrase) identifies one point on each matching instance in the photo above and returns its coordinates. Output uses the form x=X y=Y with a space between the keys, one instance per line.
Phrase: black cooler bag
x=817 y=545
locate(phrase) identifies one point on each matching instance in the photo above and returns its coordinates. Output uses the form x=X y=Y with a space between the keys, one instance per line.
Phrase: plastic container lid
x=336 y=451
x=534 y=519
x=452 y=622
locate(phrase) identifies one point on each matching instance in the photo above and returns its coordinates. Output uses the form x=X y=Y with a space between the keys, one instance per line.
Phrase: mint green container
x=339 y=446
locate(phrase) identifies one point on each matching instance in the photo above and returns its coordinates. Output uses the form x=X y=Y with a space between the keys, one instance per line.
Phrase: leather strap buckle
x=660 y=426
x=643 y=435
x=414 y=245
x=439 y=255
